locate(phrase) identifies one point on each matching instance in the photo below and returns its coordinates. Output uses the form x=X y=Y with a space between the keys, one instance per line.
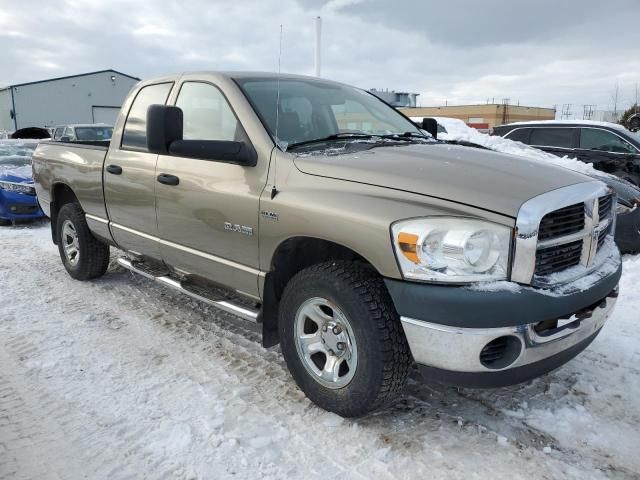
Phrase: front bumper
x=475 y=338
x=627 y=233
x=19 y=206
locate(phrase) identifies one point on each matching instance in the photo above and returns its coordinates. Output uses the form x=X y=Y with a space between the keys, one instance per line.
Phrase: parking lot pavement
x=119 y=378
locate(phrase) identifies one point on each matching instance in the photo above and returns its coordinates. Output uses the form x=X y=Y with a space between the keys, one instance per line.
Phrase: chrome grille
x=557 y=258
x=550 y=240
x=562 y=222
x=604 y=208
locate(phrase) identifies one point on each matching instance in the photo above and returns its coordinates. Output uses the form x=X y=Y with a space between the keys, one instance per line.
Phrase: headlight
x=18 y=187
x=450 y=249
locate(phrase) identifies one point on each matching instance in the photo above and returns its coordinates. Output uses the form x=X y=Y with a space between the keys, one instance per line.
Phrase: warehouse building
x=93 y=97
x=484 y=115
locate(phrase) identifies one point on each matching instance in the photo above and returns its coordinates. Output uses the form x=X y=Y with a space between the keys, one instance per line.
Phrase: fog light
x=501 y=352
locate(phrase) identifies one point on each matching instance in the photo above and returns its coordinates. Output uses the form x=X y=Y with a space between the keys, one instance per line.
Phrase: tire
x=356 y=300
x=92 y=256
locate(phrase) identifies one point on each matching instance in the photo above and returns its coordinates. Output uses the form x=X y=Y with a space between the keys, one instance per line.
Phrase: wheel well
x=292 y=256
x=60 y=195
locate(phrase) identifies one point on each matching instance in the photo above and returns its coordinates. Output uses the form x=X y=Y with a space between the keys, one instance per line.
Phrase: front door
x=130 y=180
x=208 y=217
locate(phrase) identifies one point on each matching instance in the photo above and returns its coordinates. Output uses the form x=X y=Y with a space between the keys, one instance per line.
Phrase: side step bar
x=241 y=311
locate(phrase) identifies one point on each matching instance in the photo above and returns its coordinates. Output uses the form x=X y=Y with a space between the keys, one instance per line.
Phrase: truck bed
x=77 y=164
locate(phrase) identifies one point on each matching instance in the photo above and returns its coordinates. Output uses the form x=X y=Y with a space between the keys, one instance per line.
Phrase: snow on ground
x=119 y=378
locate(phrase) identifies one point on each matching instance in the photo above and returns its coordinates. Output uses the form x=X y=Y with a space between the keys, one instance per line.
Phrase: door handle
x=115 y=169
x=168 y=179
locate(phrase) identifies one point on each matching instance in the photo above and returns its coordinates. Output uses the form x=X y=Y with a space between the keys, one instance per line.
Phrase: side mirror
x=431 y=126
x=218 y=150
x=164 y=137
x=164 y=126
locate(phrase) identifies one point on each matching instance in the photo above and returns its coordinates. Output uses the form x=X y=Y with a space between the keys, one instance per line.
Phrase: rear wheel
x=83 y=255
x=342 y=339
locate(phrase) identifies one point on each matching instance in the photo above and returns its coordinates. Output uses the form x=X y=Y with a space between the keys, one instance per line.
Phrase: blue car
x=17 y=194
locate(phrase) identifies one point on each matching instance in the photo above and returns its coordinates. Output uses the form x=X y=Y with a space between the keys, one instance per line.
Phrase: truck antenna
x=274 y=189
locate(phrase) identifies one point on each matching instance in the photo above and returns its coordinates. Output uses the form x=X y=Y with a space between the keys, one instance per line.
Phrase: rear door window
x=134 y=136
x=552 y=137
x=604 y=141
x=520 y=135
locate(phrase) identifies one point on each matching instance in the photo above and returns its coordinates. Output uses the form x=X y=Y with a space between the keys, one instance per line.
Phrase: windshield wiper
x=335 y=136
x=403 y=135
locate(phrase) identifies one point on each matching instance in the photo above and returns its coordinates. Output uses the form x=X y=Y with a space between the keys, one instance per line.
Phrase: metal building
x=93 y=97
x=396 y=99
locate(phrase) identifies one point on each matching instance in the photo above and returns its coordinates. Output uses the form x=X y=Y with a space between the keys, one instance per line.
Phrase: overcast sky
x=541 y=52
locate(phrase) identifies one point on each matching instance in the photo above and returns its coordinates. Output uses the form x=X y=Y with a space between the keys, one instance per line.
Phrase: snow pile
x=458 y=131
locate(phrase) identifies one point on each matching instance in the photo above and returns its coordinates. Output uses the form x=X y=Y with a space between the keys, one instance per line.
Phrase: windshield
x=93 y=133
x=314 y=109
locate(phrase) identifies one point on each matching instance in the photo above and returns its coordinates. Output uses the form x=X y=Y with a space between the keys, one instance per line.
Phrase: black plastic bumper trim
x=457 y=306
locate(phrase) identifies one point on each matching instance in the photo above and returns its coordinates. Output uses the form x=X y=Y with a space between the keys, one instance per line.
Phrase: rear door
x=560 y=141
x=130 y=180
x=208 y=221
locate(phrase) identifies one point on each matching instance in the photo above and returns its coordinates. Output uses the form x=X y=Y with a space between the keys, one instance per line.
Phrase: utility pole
x=587 y=113
x=505 y=110
x=318 y=44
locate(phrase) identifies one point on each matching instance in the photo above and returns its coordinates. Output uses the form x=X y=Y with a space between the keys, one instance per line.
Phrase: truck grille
x=606 y=202
x=548 y=241
x=557 y=258
x=564 y=221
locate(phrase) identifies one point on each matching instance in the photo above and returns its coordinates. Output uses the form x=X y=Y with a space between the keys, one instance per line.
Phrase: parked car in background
x=627 y=234
x=634 y=122
x=83 y=133
x=17 y=194
x=32 y=133
x=609 y=147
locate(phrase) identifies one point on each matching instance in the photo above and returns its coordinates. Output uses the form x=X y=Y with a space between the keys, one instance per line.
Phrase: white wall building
x=92 y=97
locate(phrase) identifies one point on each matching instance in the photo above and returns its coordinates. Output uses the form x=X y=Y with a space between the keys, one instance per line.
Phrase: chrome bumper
x=459 y=349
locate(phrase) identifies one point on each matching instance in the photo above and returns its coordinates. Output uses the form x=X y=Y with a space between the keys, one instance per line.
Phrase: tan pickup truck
x=359 y=243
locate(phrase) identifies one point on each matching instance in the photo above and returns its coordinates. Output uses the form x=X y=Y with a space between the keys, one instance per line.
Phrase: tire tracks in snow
x=181 y=348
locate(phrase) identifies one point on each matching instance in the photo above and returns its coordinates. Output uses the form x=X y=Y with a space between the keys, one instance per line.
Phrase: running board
x=198 y=293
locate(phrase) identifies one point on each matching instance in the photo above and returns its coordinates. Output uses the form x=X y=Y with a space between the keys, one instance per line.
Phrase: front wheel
x=342 y=339
x=83 y=255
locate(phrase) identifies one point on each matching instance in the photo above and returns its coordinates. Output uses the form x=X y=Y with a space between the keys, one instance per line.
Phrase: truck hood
x=480 y=178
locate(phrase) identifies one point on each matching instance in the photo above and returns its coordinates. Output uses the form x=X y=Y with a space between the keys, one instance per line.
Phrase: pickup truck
x=359 y=243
